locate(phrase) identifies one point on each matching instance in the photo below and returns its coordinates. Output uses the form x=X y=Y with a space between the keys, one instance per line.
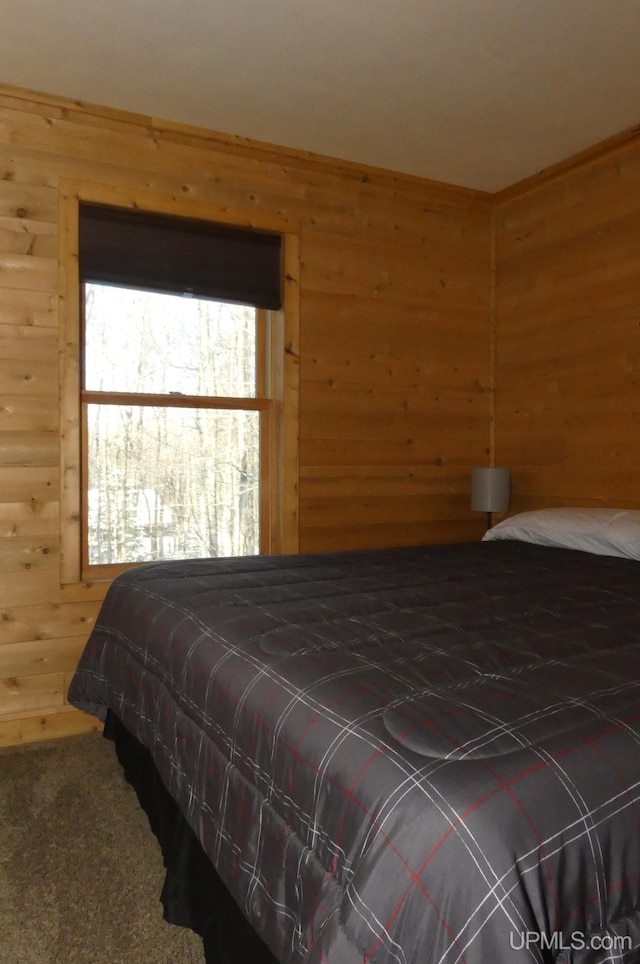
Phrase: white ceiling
x=480 y=93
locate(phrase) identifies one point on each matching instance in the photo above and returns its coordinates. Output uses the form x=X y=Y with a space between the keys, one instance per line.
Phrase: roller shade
x=179 y=255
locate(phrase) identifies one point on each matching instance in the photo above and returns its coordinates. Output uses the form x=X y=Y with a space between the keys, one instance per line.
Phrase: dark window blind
x=180 y=255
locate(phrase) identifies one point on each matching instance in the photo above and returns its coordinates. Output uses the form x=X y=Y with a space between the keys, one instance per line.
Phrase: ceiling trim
x=591 y=155
x=14 y=97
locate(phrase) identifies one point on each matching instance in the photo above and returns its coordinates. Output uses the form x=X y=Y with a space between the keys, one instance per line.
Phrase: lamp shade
x=490 y=489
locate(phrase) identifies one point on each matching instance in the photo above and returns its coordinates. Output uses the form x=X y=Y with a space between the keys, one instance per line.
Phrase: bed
x=415 y=755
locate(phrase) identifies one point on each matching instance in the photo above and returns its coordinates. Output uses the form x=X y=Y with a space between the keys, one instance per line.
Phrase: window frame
x=277 y=389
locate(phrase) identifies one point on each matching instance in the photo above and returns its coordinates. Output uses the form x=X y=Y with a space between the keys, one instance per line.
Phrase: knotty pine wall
x=394 y=358
x=567 y=331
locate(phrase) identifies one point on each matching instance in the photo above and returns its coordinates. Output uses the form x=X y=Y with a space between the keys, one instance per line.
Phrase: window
x=170 y=474
x=181 y=397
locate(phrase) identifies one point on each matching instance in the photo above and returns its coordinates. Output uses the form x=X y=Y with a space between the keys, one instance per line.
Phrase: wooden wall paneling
x=23 y=243
x=411 y=352
x=22 y=587
x=36 y=657
x=200 y=168
x=28 y=343
x=18 y=554
x=30 y=518
x=388 y=354
x=36 y=308
x=26 y=693
x=39 y=483
x=48 y=724
x=34 y=378
x=377 y=535
x=26 y=208
x=28 y=271
x=47 y=621
x=406 y=450
x=24 y=413
x=567 y=332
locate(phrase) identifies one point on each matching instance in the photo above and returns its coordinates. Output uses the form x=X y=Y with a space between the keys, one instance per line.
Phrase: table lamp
x=490 y=490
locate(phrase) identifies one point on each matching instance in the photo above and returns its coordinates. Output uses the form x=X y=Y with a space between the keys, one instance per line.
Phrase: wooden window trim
x=279 y=450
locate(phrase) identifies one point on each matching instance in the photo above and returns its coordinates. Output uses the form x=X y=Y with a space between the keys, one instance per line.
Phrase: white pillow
x=606 y=532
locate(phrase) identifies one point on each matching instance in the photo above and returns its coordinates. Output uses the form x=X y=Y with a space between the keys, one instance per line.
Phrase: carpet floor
x=80 y=870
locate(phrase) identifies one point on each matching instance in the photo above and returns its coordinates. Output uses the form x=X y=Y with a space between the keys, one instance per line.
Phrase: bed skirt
x=193 y=895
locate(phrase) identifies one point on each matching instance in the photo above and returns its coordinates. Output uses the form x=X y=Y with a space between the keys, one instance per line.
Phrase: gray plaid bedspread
x=416 y=755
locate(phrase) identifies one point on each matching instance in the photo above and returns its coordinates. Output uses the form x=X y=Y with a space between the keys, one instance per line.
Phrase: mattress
x=425 y=754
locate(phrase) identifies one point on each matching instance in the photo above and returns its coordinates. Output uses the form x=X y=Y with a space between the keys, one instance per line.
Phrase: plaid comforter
x=417 y=755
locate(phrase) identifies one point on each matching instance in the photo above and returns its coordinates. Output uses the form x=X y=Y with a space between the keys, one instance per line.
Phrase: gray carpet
x=80 y=870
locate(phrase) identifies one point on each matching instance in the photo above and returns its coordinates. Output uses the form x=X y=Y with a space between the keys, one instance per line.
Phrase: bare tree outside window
x=170 y=474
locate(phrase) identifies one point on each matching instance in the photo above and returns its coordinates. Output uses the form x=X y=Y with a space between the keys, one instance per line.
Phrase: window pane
x=171 y=483
x=142 y=341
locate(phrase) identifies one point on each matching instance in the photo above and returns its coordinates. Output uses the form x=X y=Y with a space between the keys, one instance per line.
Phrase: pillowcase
x=605 y=532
